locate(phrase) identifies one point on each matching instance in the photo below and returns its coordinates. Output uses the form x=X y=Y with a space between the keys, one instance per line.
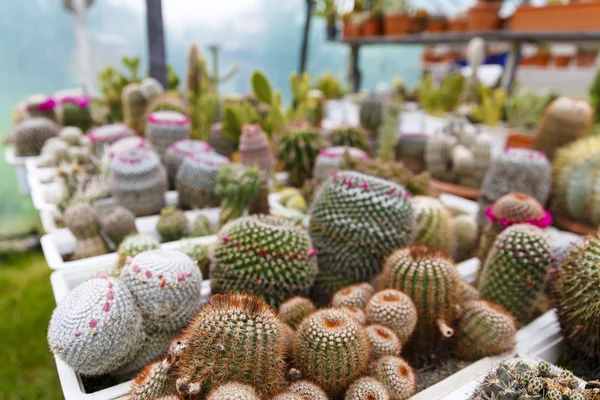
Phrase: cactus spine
x=434 y=225
x=31 y=134
x=133 y=245
x=237 y=186
x=154 y=382
x=383 y=340
x=308 y=390
x=299 y=149
x=233 y=391
x=295 y=309
x=330 y=160
x=355 y=295
x=75 y=112
x=396 y=375
x=196 y=181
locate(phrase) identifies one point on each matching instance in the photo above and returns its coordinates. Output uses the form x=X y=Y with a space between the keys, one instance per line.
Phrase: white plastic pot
x=20 y=166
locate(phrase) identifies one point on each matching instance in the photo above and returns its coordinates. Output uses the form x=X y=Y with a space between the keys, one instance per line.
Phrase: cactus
x=350 y=136
x=109 y=134
x=355 y=295
x=395 y=310
x=330 y=160
x=342 y=354
x=201 y=227
x=295 y=309
x=134 y=105
x=83 y=223
x=469 y=292
x=355 y=312
x=367 y=388
x=283 y=251
x=388 y=133
x=491 y=107
x=260 y=203
x=288 y=396
x=256 y=150
x=350 y=225
x=308 y=390
x=75 y=112
x=196 y=181
x=484 y=329
x=154 y=382
x=194 y=72
x=438 y=155
x=198 y=254
x=220 y=142
x=180 y=150
x=438 y=100
x=237 y=186
x=396 y=375
x=514 y=273
x=30 y=135
x=166 y=102
x=383 y=340
x=133 y=245
x=154 y=347
x=371 y=115
x=163 y=128
x=330 y=86
x=172 y=224
x=410 y=150
x=71 y=134
x=223 y=329
x=299 y=149
x=434 y=224
x=41 y=106
x=96 y=328
x=482 y=154
x=118 y=223
x=464 y=228
x=565 y=120
x=233 y=391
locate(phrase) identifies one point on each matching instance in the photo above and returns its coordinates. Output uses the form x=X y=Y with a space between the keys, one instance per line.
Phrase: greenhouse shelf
x=21 y=169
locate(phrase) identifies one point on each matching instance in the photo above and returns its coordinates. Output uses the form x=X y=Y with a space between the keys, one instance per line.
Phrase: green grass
x=27 y=369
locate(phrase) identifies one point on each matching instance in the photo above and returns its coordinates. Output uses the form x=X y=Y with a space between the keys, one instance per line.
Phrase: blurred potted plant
x=396 y=19
x=543 y=56
x=458 y=24
x=418 y=21
x=373 y=26
x=353 y=21
x=563 y=54
x=437 y=23
x=523 y=110
x=570 y=17
x=483 y=16
x=328 y=10
x=587 y=55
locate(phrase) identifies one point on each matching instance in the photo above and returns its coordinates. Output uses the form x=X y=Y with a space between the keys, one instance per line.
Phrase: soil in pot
x=483 y=16
x=92 y=384
x=586 y=369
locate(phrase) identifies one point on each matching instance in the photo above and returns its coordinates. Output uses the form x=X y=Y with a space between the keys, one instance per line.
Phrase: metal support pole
x=510 y=69
x=355 y=75
x=156 y=41
x=304 y=50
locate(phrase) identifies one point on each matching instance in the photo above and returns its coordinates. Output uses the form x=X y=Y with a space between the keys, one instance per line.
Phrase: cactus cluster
x=75 y=111
x=82 y=221
x=154 y=382
x=395 y=310
x=299 y=148
x=383 y=341
x=367 y=388
x=396 y=375
x=237 y=186
x=196 y=180
x=163 y=128
x=307 y=390
x=71 y=146
x=118 y=223
x=201 y=226
x=233 y=391
x=199 y=254
x=172 y=224
x=434 y=223
x=295 y=309
x=30 y=135
x=181 y=149
x=220 y=142
x=350 y=136
x=330 y=160
x=255 y=149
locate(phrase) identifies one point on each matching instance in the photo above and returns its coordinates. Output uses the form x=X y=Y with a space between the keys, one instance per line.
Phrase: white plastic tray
x=21 y=170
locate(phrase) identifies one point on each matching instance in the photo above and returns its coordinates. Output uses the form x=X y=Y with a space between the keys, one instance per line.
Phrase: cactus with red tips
x=396 y=375
x=164 y=128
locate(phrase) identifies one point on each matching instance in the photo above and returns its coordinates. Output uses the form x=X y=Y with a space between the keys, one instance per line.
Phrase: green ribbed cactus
x=371 y=115
x=396 y=375
x=172 y=224
x=83 y=223
x=383 y=340
x=134 y=106
x=225 y=328
x=75 y=111
x=395 y=310
x=233 y=391
x=268 y=256
x=166 y=102
x=386 y=141
x=469 y=292
x=350 y=136
x=295 y=309
x=464 y=231
x=438 y=155
x=237 y=186
x=434 y=224
x=154 y=382
x=356 y=221
x=355 y=295
x=431 y=280
x=201 y=227
x=484 y=329
x=298 y=152
x=308 y=390
x=367 y=388
x=341 y=356
x=30 y=135
x=133 y=245
x=579 y=185
x=514 y=273
x=197 y=253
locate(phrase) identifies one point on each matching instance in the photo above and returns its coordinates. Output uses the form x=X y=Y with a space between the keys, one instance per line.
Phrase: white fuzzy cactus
x=154 y=346
x=163 y=128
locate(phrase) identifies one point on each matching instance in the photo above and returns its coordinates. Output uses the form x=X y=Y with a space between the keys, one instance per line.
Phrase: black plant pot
x=332 y=32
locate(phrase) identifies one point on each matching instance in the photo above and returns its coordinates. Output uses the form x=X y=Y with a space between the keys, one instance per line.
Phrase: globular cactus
x=355 y=312
x=342 y=353
x=371 y=115
x=295 y=309
x=367 y=388
x=196 y=180
x=222 y=330
x=469 y=292
x=163 y=128
x=201 y=226
x=354 y=295
x=133 y=245
x=463 y=161
x=288 y=396
x=118 y=223
x=383 y=340
x=255 y=149
x=350 y=136
x=172 y=224
x=237 y=186
x=138 y=181
x=396 y=375
x=166 y=102
x=166 y=286
x=431 y=280
x=515 y=270
x=410 y=150
x=127 y=143
x=154 y=382
x=438 y=159
x=330 y=160
x=283 y=251
x=181 y=149
x=308 y=390
x=83 y=223
x=96 y=328
x=154 y=347
x=351 y=225
x=75 y=111
x=134 y=105
x=199 y=254
x=260 y=203
x=71 y=135
x=109 y=134
x=298 y=152
x=233 y=391
x=482 y=154
x=484 y=329
x=220 y=142
x=464 y=232
x=41 y=106
x=151 y=88
x=30 y=135
x=434 y=223
x=565 y=120
x=395 y=310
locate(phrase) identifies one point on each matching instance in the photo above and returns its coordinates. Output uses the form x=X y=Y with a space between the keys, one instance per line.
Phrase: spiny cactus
x=196 y=180
x=133 y=245
x=438 y=155
x=484 y=329
x=371 y=115
x=138 y=181
x=164 y=128
x=172 y=224
x=151 y=88
x=255 y=149
x=118 y=223
x=350 y=136
x=431 y=280
x=565 y=120
x=386 y=141
x=220 y=142
x=383 y=340
x=75 y=111
x=395 y=310
x=465 y=231
x=367 y=388
x=134 y=105
x=223 y=329
x=342 y=354
x=288 y=396
x=469 y=292
x=201 y=227
x=330 y=160
x=263 y=255
x=355 y=295
x=199 y=254
x=30 y=135
x=514 y=273
x=233 y=391
x=71 y=134
x=83 y=223
x=410 y=150
x=181 y=149
x=295 y=309
x=237 y=186
x=396 y=375
x=355 y=312
x=154 y=382
x=308 y=390
x=434 y=224
x=96 y=328
x=154 y=347
x=41 y=106
x=260 y=203
x=299 y=149
x=111 y=134
x=351 y=225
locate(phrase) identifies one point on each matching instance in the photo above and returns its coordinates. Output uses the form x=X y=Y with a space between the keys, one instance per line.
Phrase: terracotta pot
x=372 y=27
x=417 y=23
x=562 y=61
x=519 y=140
x=542 y=59
x=586 y=58
x=396 y=24
x=573 y=226
x=575 y=16
x=351 y=30
x=458 y=24
x=437 y=25
x=450 y=188
x=527 y=61
x=483 y=16
x=451 y=56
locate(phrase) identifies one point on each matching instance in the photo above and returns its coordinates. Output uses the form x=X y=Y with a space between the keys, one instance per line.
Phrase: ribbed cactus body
x=434 y=224
x=438 y=155
x=350 y=136
x=138 y=181
x=367 y=388
x=199 y=254
x=581 y=191
x=383 y=340
x=267 y=256
x=482 y=154
x=233 y=391
x=515 y=270
x=220 y=142
x=75 y=111
x=134 y=105
x=172 y=224
x=356 y=221
x=31 y=134
x=83 y=223
x=396 y=375
x=355 y=312
x=163 y=128
x=295 y=309
x=71 y=135
x=483 y=330
x=331 y=350
x=201 y=227
x=181 y=149
x=255 y=149
x=154 y=382
x=395 y=310
x=465 y=231
x=237 y=186
x=331 y=159
x=196 y=180
x=135 y=244
x=166 y=102
x=355 y=295
x=469 y=292
x=298 y=152
x=308 y=390
x=118 y=223
x=223 y=329
x=371 y=115
x=96 y=328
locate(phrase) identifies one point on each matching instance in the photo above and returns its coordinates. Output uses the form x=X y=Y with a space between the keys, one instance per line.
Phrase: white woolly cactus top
x=168 y=118
x=109 y=133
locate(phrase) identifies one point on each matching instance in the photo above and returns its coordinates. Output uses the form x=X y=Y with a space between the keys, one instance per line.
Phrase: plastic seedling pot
x=21 y=170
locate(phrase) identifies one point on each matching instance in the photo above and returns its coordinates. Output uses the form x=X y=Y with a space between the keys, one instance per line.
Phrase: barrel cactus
x=151 y=88
x=118 y=223
x=330 y=160
x=434 y=223
x=181 y=149
x=135 y=244
x=255 y=149
x=308 y=390
x=295 y=309
x=83 y=223
x=396 y=375
x=267 y=256
x=367 y=388
x=196 y=180
x=96 y=328
x=75 y=111
x=172 y=224
x=201 y=226
x=356 y=295
x=233 y=391
x=199 y=254
x=134 y=105
x=237 y=186
x=220 y=142
x=154 y=382
x=371 y=115
x=108 y=134
x=127 y=143
x=163 y=128
x=465 y=233
x=350 y=136
x=166 y=102
x=395 y=310
x=298 y=152
x=30 y=135
x=41 y=106
x=357 y=313
x=383 y=340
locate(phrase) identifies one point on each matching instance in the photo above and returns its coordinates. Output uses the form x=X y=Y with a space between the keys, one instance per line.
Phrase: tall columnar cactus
x=356 y=295
x=298 y=152
x=383 y=340
x=482 y=154
x=295 y=309
x=263 y=255
x=82 y=221
x=341 y=356
x=237 y=186
x=255 y=149
x=233 y=391
x=201 y=226
x=134 y=106
x=484 y=329
x=386 y=141
x=307 y=390
x=434 y=224
x=350 y=136
x=133 y=245
x=565 y=120
x=515 y=270
x=96 y=328
x=367 y=388
x=371 y=115
x=154 y=382
x=118 y=223
x=138 y=181
x=41 y=106
x=431 y=280
x=393 y=309
x=196 y=180
x=356 y=221
x=181 y=149
x=163 y=128
x=331 y=159
x=112 y=133
x=396 y=375
x=75 y=111
x=223 y=329
x=172 y=224
x=30 y=135
x=516 y=170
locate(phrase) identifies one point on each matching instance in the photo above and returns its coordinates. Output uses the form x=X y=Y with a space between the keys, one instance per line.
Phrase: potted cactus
x=396 y=20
